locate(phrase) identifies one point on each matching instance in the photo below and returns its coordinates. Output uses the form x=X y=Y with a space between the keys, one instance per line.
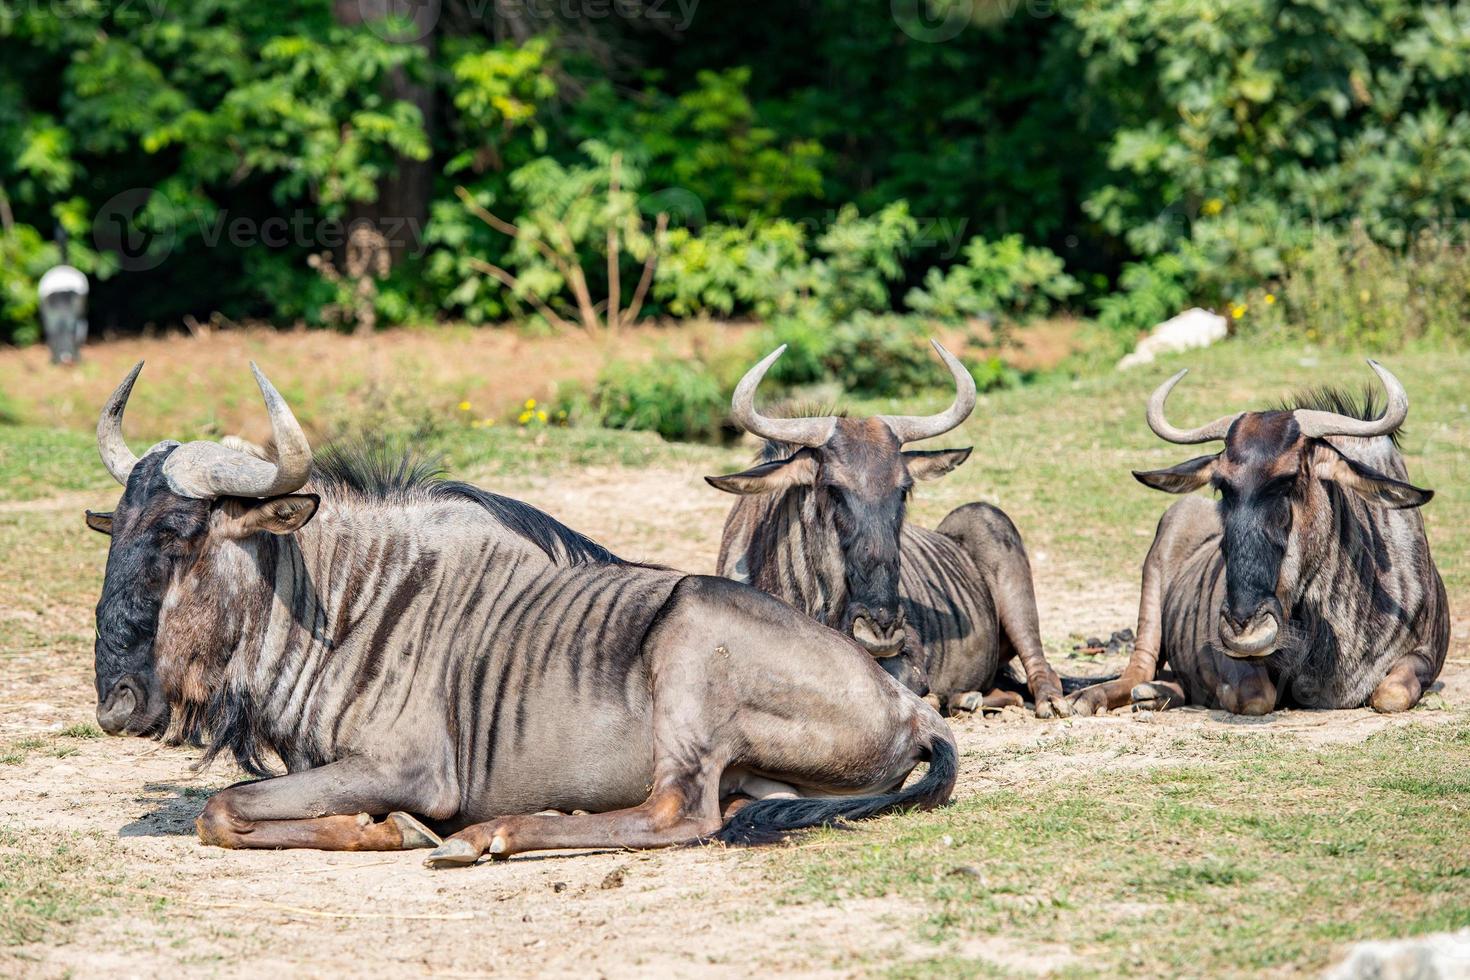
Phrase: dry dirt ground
x=705 y=911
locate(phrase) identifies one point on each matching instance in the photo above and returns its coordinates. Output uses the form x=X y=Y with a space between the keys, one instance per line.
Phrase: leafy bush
x=1005 y=281
x=709 y=142
x=723 y=269
x=1149 y=293
x=859 y=258
x=880 y=355
x=808 y=342
x=1350 y=291
x=678 y=398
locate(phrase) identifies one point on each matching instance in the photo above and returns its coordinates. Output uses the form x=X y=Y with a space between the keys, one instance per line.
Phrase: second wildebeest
x=820 y=523
x=432 y=652
x=1307 y=583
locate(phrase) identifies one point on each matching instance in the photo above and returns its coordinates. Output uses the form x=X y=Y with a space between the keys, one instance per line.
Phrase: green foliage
x=725 y=269
x=1004 y=281
x=763 y=267
x=1243 y=126
x=709 y=142
x=883 y=355
x=1149 y=292
x=1180 y=151
x=860 y=257
x=678 y=398
x=1353 y=292
x=808 y=343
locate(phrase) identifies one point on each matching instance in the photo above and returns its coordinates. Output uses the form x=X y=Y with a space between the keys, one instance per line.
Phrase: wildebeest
x=821 y=524
x=1308 y=583
x=426 y=649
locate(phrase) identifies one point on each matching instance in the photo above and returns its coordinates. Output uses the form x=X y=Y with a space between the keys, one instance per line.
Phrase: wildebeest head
x=177 y=501
x=1272 y=480
x=861 y=475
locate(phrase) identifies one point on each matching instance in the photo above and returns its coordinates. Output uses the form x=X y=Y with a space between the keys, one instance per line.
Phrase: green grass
x=1248 y=857
x=50 y=881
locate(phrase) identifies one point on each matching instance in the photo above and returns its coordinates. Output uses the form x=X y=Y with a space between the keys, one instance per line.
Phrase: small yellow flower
x=487 y=423
x=541 y=416
x=1364 y=296
x=1213 y=206
x=464 y=406
x=525 y=417
x=1270 y=299
x=1238 y=310
x=530 y=403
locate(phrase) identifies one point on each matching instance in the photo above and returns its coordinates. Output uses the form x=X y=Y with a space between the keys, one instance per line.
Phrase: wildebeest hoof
x=453 y=853
x=969 y=701
x=414 y=834
x=1147 y=697
x=1054 y=706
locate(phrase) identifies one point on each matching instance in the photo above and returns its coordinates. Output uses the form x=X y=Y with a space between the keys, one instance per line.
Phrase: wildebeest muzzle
x=1254 y=636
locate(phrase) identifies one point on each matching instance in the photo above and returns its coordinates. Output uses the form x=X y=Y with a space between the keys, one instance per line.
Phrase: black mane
x=377 y=472
x=1367 y=406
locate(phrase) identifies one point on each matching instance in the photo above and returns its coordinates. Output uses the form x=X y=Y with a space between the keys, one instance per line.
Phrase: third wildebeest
x=1309 y=582
x=419 y=648
x=820 y=523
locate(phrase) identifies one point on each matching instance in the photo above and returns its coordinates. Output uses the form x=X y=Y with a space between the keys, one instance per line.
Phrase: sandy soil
x=691 y=912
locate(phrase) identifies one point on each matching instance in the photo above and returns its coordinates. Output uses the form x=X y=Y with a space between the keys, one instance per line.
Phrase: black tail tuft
x=768 y=821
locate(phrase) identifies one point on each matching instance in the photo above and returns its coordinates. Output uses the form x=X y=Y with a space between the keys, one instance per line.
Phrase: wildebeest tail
x=767 y=821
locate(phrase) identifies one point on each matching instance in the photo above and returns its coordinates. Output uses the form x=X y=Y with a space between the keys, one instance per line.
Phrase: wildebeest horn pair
x=814 y=432
x=1314 y=424
x=205 y=470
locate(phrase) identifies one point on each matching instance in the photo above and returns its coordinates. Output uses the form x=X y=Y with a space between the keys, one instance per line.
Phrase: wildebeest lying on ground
x=821 y=525
x=1309 y=583
x=425 y=649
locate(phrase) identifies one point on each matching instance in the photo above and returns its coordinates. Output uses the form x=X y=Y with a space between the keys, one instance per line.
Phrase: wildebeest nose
x=116 y=710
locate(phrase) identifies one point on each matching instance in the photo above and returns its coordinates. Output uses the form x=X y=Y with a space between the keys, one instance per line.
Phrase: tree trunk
x=402 y=207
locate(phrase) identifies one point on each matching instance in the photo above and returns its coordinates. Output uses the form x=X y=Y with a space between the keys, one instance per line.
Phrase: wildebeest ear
x=1330 y=464
x=799 y=470
x=1187 y=477
x=278 y=515
x=100 y=522
x=931 y=464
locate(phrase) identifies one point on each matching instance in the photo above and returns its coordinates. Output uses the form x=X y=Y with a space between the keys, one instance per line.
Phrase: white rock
x=1187 y=331
x=1441 y=956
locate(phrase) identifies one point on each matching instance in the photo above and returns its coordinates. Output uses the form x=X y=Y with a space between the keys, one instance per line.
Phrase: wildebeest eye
x=1279 y=487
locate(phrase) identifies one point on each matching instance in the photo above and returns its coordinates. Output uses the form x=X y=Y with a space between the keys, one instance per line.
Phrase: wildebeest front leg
x=976 y=701
x=329 y=809
x=1404 y=684
x=1244 y=687
x=1143 y=662
x=994 y=543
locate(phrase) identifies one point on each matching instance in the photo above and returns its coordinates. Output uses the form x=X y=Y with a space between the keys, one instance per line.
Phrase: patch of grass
x=81 y=730
x=38 y=462
x=1265 y=856
x=52 y=880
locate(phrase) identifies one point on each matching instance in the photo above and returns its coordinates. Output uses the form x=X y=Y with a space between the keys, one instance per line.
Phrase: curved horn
x=206 y=469
x=912 y=428
x=1316 y=424
x=810 y=432
x=1205 y=433
x=116 y=455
